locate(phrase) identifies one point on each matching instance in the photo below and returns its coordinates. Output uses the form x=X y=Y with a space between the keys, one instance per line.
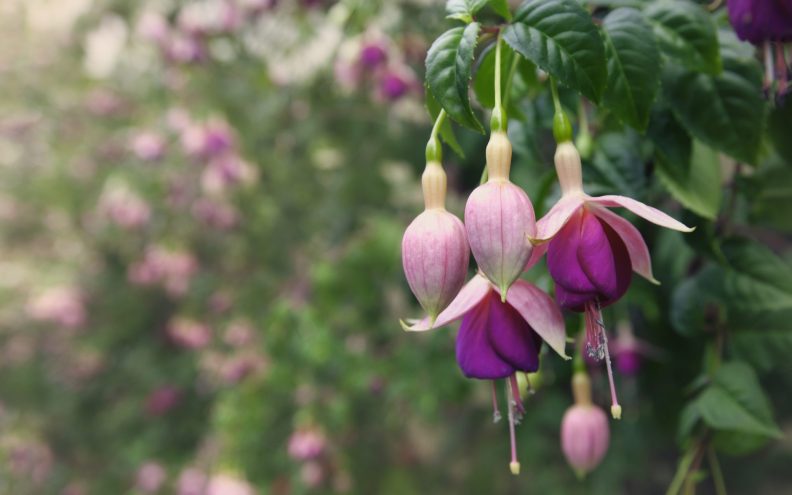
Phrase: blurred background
x=201 y=209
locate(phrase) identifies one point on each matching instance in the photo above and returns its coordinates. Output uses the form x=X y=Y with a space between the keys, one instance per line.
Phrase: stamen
x=496 y=414
x=515 y=390
x=595 y=343
x=529 y=388
x=616 y=409
x=514 y=465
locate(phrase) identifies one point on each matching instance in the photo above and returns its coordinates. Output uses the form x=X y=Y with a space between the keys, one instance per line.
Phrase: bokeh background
x=201 y=208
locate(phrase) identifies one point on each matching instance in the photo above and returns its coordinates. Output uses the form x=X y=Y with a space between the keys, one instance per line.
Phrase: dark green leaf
x=446 y=131
x=633 y=59
x=560 y=37
x=464 y=10
x=501 y=7
x=778 y=128
x=735 y=402
x=697 y=183
x=686 y=34
x=448 y=66
x=696 y=303
x=724 y=111
x=770 y=195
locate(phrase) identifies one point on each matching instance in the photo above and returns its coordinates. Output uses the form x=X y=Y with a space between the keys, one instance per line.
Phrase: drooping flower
x=592 y=251
x=435 y=252
x=584 y=429
x=498 y=217
x=761 y=20
x=373 y=54
x=500 y=337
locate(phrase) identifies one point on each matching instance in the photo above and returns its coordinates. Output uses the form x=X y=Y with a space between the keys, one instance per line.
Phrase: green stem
x=434 y=148
x=498 y=120
x=717 y=473
x=562 y=127
x=509 y=77
x=682 y=470
x=556 y=99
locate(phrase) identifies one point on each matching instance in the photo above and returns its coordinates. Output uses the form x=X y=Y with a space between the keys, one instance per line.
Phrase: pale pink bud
x=225 y=484
x=148 y=146
x=584 y=429
x=498 y=216
x=192 y=481
x=434 y=248
x=306 y=444
x=150 y=477
x=189 y=334
x=63 y=306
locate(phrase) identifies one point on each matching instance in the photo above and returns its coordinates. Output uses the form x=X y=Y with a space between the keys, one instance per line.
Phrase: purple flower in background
x=184 y=49
x=214 y=213
x=393 y=86
x=592 y=251
x=212 y=138
x=162 y=400
x=761 y=20
x=372 y=55
x=189 y=334
x=153 y=27
x=226 y=171
x=150 y=477
x=124 y=207
x=172 y=269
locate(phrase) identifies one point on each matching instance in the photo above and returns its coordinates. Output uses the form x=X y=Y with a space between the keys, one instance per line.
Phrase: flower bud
x=498 y=216
x=584 y=429
x=434 y=248
x=568 y=168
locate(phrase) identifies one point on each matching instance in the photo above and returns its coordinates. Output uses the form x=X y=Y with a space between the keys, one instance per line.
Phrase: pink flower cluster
x=63 y=306
x=171 y=269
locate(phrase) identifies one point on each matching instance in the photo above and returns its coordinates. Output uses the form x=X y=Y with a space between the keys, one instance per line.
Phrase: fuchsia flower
x=584 y=429
x=761 y=20
x=498 y=338
x=435 y=252
x=592 y=251
x=498 y=217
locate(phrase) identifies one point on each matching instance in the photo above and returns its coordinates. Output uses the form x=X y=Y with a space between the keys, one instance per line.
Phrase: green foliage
x=686 y=34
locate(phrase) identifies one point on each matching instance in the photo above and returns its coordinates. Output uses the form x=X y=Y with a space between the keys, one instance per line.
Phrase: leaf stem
x=717 y=473
x=509 y=77
x=498 y=120
x=434 y=148
x=682 y=470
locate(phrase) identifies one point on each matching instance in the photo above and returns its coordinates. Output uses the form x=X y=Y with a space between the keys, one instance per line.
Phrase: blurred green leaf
x=446 y=130
x=633 y=58
x=699 y=186
x=724 y=111
x=560 y=37
x=501 y=7
x=464 y=10
x=448 y=67
x=686 y=34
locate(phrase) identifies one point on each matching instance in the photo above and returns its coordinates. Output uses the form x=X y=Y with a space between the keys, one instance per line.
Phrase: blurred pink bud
x=184 y=49
x=189 y=334
x=312 y=474
x=162 y=400
x=153 y=27
x=148 y=146
x=435 y=258
x=306 y=444
x=214 y=214
x=584 y=429
x=498 y=216
x=226 y=171
x=225 y=484
x=150 y=477
x=192 y=481
x=393 y=86
x=124 y=207
x=63 y=306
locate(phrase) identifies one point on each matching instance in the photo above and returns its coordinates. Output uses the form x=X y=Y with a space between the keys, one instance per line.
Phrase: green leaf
x=448 y=66
x=633 y=59
x=672 y=142
x=765 y=349
x=778 y=128
x=736 y=402
x=697 y=302
x=724 y=111
x=560 y=37
x=697 y=183
x=769 y=195
x=501 y=7
x=686 y=33
x=464 y=10
x=446 y=131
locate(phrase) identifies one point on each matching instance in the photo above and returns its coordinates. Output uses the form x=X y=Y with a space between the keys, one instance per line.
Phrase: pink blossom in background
x=172 y=269
x=209 y=17
x=192 y=481
x=226 y=484
x=104 y=103
x=184 y=49
x=239 y=334
x=312 y=474
x=188 y=333
x=150 y=477
x=124 y=207
x=220 y=302
x=153 y=27
x=28 y=459
x=178 y=119
x=213 y=213
x=240 y=365
x=306 y=444
x=226 y=171
x=162 y=400
x=373 y=54
x=63 y=306
x=207 y=140
x=148 y=146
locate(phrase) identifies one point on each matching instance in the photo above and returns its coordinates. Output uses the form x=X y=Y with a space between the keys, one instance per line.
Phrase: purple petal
x=511 y=336
x=475 y=355
x=633 y=241
x=604 y=259
x=562 y=257
x=573 y=301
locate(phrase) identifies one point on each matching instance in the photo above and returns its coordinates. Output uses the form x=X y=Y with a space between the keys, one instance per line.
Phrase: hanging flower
x=584 y=429
x=592 y=251
x=761 y=20
x=498 y=216
x=499 y=338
